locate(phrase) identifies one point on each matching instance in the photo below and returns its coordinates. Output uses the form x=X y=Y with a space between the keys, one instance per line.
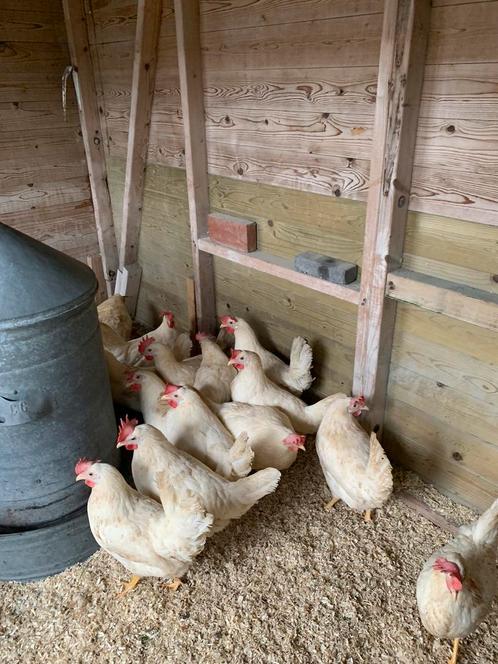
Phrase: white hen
x=296 y=376
x=272 y=439
x=147 y=537
x=355 y=466
x=214 y=377
x=224 y=499
x=165 y=362
x=457 y=584
x=253 y=386
x=192 y=426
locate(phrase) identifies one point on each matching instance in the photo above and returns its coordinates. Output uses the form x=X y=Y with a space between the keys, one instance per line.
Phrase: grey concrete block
x=326 y=267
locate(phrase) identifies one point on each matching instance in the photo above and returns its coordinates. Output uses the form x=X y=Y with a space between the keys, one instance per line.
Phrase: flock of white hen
x=210 y=420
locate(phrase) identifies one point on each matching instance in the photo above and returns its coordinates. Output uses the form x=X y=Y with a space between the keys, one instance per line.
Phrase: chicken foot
x=368 y=516
x=454 y=654
x=329 y=506
x=174 y=584
x=130 y=585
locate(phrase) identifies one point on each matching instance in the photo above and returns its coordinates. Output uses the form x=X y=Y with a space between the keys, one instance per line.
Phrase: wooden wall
x=44 y=187
x=289 y=146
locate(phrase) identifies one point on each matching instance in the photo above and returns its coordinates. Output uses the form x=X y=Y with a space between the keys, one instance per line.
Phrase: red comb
x=169 y=389
x=83 y=465
x=227 y=319
x=167 y=314
x=126 y=427
x=129 y=375
x=200 y=336
x=144 y=344
x=443 y=565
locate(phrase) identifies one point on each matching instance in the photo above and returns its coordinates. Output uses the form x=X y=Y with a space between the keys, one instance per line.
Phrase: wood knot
x=457 y=456
x=451 y=129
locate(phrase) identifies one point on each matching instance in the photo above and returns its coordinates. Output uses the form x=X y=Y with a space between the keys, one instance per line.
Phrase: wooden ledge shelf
x=464 y=303
x=282 y=268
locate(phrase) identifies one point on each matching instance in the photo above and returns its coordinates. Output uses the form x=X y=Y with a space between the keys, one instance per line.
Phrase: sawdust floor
x=289 y=583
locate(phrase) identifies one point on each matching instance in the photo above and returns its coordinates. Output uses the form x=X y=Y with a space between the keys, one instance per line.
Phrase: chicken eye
x=91 y=474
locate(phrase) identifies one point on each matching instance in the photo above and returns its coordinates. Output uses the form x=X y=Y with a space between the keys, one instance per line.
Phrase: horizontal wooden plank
x=237 y=14
x=449 y=406
x=280 y=268
x=30 y=25
x=351 y=41
x=69 y=227
x=444 y=297
x=36 y=147
x=463 y=33
x=456 y=335
x=460 y=91
x=116 y=21
x=475 y=278
x=422 y=444
x=39 y=115
x=51 y=193
x=467 y=195
x=456 y=370
x=47 y=59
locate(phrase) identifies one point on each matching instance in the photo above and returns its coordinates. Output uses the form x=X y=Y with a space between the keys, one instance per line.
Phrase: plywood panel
x=30 y=24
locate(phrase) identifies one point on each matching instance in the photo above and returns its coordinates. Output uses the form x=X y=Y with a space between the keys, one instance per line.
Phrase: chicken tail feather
x=249 y=490
x=380 y=470
x=241 y=455
x=187 y=524
x=301 y=358
x=183 y=346
x=485 y=529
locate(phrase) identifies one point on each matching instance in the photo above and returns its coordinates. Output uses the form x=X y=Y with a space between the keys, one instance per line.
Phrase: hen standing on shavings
x=153 y=453
x=147 y=537
x=457 y=585
x=355 y=466
x=296 y=376
x=253 y=386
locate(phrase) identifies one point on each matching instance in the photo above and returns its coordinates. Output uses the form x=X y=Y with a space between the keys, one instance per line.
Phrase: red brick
x=233 y=232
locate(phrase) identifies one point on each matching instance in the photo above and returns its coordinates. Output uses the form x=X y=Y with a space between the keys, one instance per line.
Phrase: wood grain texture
x=401 y=68
x=190 y=69
x=444 y=297
x=83 y=74
x=217 y=15
x=44 y=188
x=144 y=71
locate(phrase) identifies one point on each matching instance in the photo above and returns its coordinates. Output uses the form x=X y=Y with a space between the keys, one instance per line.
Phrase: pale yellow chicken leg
x=174 y=584
x=329 y=506
x=368 y=516
x=454 y=654
x=130 y=585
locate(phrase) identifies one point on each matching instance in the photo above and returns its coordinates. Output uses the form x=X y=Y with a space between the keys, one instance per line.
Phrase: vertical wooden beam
x=83 y=76
x=95 y=263
x=190 y=67
x=401 y=70
x=142 y=94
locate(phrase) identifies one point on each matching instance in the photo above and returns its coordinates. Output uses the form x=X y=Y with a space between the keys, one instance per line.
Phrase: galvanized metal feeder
x=55 y=406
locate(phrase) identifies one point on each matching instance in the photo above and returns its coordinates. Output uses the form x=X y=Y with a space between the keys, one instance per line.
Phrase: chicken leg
x=174 y=584
x=454 y=654
x=331 y=503
x=130 y=585
x=368 y=516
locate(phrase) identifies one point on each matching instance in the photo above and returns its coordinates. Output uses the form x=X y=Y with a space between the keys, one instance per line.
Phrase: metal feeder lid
x=38 y=282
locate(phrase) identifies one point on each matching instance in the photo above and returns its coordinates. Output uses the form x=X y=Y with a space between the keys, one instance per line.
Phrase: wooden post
x=95 y=262
x=189 y=63
x=83 y=76
x=142 y=94
x=401 y=70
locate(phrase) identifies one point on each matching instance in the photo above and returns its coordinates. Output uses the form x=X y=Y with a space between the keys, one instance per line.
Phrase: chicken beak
x=121 y=444
x=231 y=361
x=81 y=476
x=364 y=408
